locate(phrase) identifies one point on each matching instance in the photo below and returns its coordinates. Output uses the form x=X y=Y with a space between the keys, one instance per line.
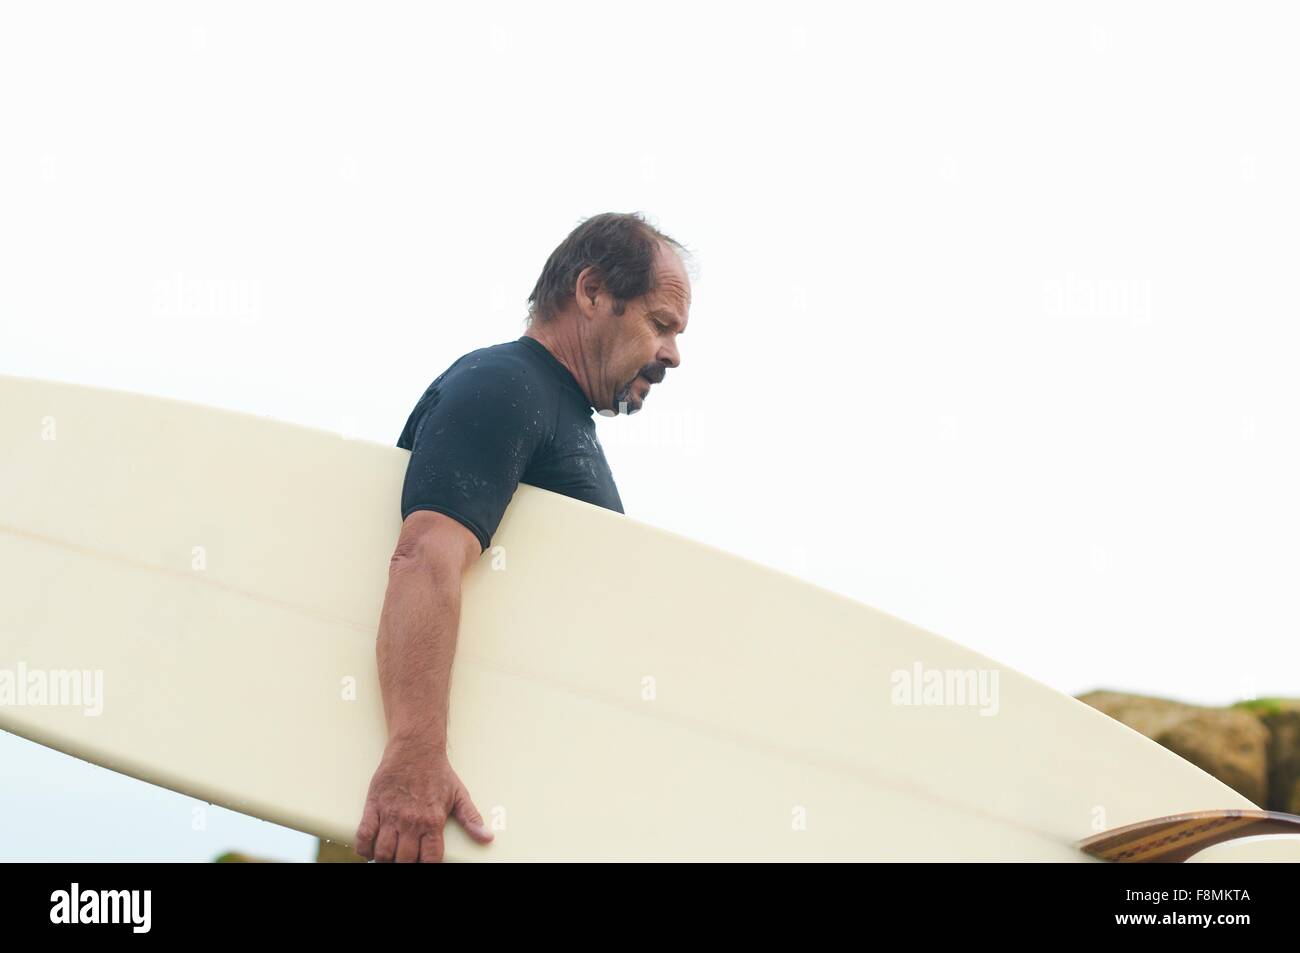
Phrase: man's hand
x=413 y=793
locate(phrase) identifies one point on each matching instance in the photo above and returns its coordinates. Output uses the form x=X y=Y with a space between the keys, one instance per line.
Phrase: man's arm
x=419 y=624
x=471 y=439
x=414 y=791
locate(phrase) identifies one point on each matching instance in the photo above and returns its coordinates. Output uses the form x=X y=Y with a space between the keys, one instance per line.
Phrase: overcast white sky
x=994 y=325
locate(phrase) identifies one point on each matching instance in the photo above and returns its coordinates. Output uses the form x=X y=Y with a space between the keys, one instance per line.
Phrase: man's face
x=642 y=341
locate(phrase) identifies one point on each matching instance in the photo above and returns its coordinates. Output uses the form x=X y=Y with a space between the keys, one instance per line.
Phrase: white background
x=993 y=323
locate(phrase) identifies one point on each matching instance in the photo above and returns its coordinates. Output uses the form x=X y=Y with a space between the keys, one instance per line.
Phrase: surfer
x=603 y=322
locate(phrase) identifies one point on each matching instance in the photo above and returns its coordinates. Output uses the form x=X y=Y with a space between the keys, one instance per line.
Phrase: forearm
x=415 y=648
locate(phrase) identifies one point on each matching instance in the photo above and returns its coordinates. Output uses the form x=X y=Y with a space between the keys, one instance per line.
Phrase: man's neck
x=561 y=339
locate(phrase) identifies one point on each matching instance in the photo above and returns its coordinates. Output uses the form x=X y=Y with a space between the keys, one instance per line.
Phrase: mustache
x=654 y=373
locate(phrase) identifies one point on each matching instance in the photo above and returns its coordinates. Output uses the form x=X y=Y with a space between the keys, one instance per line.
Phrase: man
x=602 y=330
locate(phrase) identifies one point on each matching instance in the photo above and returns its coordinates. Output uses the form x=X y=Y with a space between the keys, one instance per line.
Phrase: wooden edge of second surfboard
x=1177 y=837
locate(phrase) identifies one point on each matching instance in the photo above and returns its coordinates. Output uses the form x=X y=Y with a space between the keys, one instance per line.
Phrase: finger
x=471 y=819
x=386 y=844
x=431 y=847
x=408 y=846
x=366 y=831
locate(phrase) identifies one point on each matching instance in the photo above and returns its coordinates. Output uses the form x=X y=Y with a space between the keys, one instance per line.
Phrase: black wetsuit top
x=499 y=416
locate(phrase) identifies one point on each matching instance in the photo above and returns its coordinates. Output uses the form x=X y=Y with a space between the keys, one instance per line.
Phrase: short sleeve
x=471 y=438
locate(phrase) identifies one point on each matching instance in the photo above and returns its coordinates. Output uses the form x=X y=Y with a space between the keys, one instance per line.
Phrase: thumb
x=471 y=819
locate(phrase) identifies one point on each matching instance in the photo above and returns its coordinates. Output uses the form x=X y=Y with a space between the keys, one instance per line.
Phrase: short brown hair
x=620 y=245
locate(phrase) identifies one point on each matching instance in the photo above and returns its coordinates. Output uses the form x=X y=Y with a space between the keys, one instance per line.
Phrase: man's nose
x=669 y=356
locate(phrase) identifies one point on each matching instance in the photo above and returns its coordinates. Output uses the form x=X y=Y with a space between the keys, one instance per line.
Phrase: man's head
x=611 y=301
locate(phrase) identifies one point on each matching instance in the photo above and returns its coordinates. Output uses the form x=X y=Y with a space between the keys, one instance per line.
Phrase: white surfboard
x=619 y=692
x=1281 y=849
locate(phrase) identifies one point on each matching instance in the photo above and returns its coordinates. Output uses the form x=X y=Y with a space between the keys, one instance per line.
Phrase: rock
x=1232 y=744
x=331 y=853
x=1281 y=716
x=327 y=852
x=236 y=857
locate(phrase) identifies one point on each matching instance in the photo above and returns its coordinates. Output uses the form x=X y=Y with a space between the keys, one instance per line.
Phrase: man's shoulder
x=505 y=366
x=511 y=358
x=496 y=384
